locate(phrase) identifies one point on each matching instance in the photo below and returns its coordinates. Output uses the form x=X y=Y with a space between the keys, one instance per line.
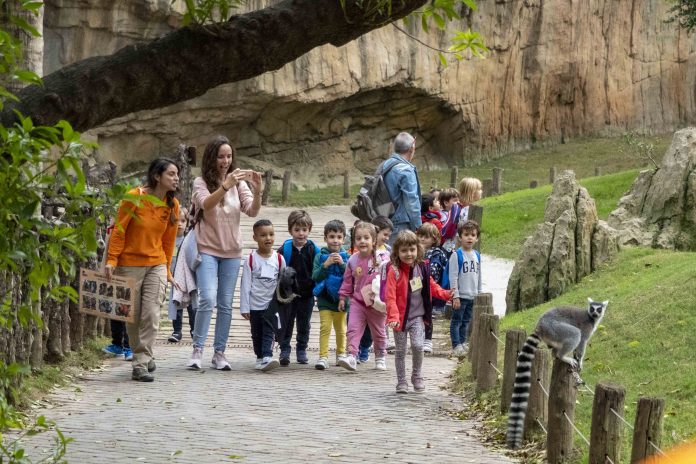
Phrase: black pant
x=366 y=339
x=119 y=336
x=262 y=334
x=301 y=310
x=178 y=323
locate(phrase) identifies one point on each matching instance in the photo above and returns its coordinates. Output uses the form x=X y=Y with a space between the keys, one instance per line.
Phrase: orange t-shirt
x=143 y=235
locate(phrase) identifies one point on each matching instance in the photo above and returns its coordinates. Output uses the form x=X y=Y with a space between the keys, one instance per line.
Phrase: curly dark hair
x=209 y=169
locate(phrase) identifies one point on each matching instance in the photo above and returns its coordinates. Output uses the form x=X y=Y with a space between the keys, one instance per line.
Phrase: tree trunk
x=32 y=47
x=190 y=61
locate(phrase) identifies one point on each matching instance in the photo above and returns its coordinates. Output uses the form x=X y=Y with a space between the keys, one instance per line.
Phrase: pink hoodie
x=219 y=233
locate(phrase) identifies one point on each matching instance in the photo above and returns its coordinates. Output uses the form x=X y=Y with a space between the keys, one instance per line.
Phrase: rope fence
x=499 y=340
x=553 y=399
x=576 y=429
x=495 y=368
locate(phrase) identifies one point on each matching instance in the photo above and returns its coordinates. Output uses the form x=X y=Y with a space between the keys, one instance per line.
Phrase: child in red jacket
x=409 y=293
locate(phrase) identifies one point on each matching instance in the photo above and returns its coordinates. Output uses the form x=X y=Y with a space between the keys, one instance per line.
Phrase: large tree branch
x=190 y=61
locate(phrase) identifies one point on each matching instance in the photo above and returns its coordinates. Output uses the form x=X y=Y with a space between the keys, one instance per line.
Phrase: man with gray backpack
x=394 y=190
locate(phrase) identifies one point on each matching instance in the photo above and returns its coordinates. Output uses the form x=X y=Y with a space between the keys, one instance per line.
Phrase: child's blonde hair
x=428 y=230
x=406 y=238
x=470 y=190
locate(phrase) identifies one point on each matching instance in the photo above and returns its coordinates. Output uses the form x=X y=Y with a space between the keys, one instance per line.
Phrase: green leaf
x=24 y=25
x=443 y=60
x=439 y=20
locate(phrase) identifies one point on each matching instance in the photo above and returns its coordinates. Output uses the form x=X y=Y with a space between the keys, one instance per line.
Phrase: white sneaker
x=196 y=356
x=428 y=346
x=268 y=364
x=458 y=351
x=381 y=364
x=322 y=363
x=465 y=349
x=259 y=362
x=348 y=362
x=219 y=362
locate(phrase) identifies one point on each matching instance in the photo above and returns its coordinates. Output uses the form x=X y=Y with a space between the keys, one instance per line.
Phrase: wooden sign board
x=111 y=299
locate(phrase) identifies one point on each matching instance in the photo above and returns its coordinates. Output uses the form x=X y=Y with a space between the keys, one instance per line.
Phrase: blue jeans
x=460 y=321
x=216 y=279
x=398 y=228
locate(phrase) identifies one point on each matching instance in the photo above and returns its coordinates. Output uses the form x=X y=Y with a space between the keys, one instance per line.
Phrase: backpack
x=445 y=282
x=287 y=250
x=373 y=198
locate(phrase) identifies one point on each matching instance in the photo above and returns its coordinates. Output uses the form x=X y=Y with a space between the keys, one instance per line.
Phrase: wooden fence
x=553 y=392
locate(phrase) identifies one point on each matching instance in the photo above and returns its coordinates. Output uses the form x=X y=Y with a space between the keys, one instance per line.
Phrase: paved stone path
x=292 y=414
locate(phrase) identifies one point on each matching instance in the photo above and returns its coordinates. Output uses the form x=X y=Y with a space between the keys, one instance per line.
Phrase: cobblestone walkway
x=293 y=414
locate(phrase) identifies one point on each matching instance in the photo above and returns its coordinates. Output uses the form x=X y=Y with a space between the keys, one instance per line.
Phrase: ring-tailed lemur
x=565 y=330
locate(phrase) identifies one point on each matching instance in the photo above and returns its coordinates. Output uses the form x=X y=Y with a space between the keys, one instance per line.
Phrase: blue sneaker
x=363 y=355
x=113 y=350
x=128 y=354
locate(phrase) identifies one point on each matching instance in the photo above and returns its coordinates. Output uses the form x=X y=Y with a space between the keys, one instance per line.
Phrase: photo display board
x=112 y=299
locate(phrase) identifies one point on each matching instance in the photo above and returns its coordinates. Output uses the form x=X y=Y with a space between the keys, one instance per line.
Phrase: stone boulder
x=660 y=208
x=570 y=244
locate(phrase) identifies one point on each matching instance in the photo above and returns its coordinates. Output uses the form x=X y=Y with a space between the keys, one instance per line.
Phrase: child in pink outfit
x=362 y=268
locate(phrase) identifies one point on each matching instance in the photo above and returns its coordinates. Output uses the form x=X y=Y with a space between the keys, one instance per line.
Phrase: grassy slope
x=581 y=155
x=510 y=218
x=646 y=341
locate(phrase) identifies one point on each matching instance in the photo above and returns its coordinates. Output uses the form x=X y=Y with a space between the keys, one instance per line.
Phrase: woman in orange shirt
x=141 y=247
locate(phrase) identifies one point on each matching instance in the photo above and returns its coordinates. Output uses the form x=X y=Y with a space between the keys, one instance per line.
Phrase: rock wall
x=556 y=69
x=570 y=244
x=660 y=208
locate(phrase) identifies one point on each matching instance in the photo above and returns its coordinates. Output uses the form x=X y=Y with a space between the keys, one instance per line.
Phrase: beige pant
x=150 y=291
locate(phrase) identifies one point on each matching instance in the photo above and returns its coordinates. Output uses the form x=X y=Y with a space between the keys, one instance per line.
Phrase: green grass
x=582 y=155
x=645 y=342
x=510 y=218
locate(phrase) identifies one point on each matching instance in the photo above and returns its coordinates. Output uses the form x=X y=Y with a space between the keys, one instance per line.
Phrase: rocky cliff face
x=556 y=69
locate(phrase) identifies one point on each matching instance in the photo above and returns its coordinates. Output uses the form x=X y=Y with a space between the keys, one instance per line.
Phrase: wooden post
x=346 y=185
x=562 y=394
x=267 y=184
x=538 y=402
x=597 y=171
x=552 y=174
x=476 y=214
x=497 y=187
x=185 y=178
x=454 y=177
x=648 y=428
x=484 y=299
x=487 y=187
x=286 y=185
x=487 y=352
x=605 y=435
x=533 y=184
x=514 y=340
x=473 y=336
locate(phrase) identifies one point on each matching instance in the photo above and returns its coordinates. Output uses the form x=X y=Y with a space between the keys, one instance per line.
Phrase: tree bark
x=190 y=61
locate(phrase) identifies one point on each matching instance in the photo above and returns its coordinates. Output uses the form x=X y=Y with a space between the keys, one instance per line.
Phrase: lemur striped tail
x=520 y=391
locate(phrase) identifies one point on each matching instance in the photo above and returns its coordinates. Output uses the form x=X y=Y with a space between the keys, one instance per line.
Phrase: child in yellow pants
x=327 y=273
